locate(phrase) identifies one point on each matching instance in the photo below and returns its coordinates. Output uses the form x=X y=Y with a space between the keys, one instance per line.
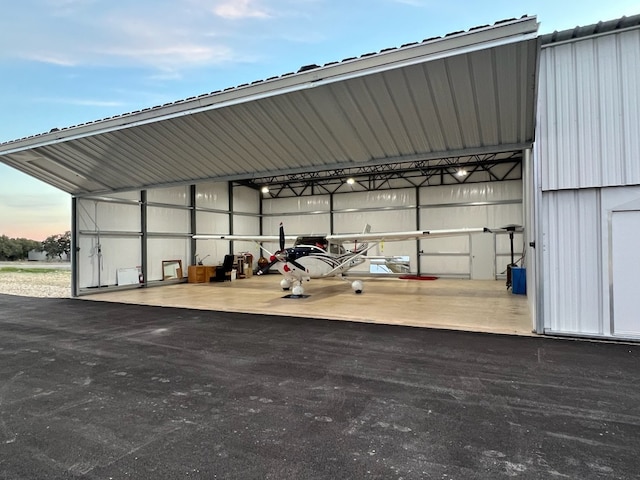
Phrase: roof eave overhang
x=467 y=42
x=15 y=152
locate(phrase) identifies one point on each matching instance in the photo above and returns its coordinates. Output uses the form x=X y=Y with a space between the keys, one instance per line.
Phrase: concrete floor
x=485 y=306
x=101 y=390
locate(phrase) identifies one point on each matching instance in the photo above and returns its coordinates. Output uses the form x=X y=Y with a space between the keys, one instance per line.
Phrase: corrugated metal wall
x=490 y=204
x=589 y=112
x=572 y=262
x=588 y=151
x=110 y=229
x=576 y=258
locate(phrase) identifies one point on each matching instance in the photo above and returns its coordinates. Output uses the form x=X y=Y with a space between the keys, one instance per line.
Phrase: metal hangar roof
x=466 y=93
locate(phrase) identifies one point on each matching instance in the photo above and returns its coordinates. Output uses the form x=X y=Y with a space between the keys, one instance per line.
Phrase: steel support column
x=144 y=238
x=75 y=248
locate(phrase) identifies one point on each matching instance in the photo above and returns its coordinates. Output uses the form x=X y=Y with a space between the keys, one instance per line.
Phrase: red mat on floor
x=417 y=277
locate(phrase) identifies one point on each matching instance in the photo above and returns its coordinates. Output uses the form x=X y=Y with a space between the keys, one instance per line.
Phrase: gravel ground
x=53 y=284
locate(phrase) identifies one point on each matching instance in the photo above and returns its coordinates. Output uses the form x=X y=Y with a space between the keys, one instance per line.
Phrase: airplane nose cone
x=272 y=258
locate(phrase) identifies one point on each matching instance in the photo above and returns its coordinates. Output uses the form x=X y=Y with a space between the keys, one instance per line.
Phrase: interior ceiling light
x=462 y=172
x=350 y=181
x=265 y=189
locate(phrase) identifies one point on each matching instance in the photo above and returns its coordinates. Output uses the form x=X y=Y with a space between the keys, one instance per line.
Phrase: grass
x=27 y=270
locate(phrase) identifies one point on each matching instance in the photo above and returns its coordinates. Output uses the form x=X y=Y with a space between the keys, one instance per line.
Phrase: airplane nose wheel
x=357 y=286
x=285 y=284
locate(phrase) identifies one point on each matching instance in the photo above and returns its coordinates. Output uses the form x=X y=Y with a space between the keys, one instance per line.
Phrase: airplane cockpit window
x=336 y=249
x=316 y=241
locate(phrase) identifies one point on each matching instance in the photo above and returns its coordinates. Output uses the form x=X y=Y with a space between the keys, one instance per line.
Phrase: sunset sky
x=65 y=62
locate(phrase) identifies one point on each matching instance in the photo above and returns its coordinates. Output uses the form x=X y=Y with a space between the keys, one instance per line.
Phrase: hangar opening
x=435 y=135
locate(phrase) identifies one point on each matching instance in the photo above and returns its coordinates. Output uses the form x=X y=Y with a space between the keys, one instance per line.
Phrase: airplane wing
x=398 y=236
x=245 y=238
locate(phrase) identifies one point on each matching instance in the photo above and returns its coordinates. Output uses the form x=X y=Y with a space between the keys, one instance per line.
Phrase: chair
x=223 y=273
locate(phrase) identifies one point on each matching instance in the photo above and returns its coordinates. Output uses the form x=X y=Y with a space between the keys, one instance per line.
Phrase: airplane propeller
x=282 y=255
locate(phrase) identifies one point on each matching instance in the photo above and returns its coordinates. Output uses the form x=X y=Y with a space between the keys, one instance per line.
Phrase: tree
x=65 y=243
x=27 y=245
x=16 y=248
x=57 y=245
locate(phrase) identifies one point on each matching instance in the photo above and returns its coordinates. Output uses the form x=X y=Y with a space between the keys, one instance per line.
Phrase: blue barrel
x=519 y=280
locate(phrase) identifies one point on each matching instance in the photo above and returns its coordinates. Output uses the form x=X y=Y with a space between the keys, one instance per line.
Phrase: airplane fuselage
x=317 y=262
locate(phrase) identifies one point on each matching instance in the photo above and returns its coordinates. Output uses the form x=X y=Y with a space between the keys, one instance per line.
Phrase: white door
x=483 y=256
x=625 y=263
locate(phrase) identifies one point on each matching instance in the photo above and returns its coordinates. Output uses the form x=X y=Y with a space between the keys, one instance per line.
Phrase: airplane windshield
x=320 y=242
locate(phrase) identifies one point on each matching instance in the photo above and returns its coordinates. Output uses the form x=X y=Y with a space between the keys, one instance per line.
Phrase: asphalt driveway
x=99 y=390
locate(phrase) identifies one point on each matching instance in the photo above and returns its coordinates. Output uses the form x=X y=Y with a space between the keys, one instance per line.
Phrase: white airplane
x=321 y=256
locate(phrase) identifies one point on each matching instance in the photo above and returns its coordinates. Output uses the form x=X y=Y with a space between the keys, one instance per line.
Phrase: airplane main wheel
x=285 y=284
x=357 y=286
x=298 y=290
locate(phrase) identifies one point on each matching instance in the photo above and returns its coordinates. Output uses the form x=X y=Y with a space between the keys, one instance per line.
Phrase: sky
x=65 y=62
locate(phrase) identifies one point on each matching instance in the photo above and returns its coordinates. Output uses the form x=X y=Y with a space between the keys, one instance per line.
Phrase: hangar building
x=489 y=127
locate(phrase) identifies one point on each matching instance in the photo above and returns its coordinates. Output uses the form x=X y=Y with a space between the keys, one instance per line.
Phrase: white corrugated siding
x=589 y=112
x=575 y=230
x=572 y=267
x=492 y=204
x=587 y=140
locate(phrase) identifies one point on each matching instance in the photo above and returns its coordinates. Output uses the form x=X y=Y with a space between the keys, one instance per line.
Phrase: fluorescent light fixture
x=264 y=189
x=350 y=181
x=462 y=172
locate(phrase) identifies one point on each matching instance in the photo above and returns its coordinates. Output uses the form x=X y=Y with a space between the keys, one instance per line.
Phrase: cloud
x=168 y=36
x=81 y=102
x=237 y=9
x=31 y=203
x=165 y=35
x=412 y=3
x=168 y=58
x=52 y=58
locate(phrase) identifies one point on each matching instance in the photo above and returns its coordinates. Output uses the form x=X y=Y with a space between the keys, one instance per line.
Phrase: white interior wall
x=494 y=204
x=114 y=253
x=102 y=250
x=295 y=205
x=168 y=220
x=299 y=216
x=385 y=211
x=100 y=216
x=163 y=248
x=167 y=214
x=212 y=217
x=170 y=195
x=375 y=199
x=247 y=202
x=213 y=196
x=381 y=221
x=476 y=205
x=211 y=252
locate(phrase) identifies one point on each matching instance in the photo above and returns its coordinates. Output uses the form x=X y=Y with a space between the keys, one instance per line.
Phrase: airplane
x=322 y=256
